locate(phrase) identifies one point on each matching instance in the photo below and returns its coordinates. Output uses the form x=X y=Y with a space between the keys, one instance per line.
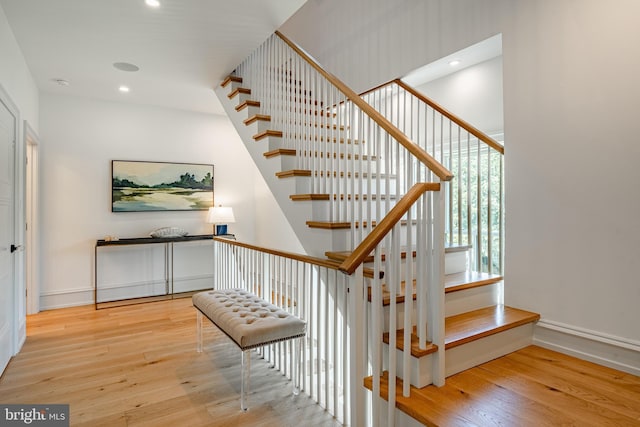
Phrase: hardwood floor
x=530 y=387
x=137 y=366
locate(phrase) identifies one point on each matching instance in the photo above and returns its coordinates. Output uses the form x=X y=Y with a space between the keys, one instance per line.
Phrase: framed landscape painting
x=156 y=186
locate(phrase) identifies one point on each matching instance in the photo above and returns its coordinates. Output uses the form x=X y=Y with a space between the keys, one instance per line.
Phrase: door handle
x=15 y=248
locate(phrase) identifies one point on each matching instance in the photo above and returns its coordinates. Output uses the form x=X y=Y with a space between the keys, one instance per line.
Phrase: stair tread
x=247 y=103
x=416 y=351
x=238 y=91
x=470 y=326
x=257 y=118
x=280 y=152
x=230 y=79
x=265 y=133
x=292 y=173
x=473 y=325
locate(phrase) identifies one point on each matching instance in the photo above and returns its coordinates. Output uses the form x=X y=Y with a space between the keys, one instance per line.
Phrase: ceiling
x=475 y=54
x=183 y=48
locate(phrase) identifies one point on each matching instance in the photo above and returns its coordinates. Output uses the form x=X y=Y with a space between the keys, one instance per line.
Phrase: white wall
x=571 y=97
x=80 y=138
x=473 y=93
x=19 y=86
x=15 y=76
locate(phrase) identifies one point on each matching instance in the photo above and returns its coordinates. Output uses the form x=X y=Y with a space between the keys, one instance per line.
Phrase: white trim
x=18 y=315
x=598 y=347
x=85 y=296
x=66 y=298
x=32 y=236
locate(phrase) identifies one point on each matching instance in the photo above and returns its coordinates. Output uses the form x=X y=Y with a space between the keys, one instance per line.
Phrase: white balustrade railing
x=386 y=188
x=474 y=201
x=356 y=158
x=314 y=291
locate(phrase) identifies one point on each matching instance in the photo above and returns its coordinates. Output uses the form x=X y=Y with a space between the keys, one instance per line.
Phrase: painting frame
x=150 y=186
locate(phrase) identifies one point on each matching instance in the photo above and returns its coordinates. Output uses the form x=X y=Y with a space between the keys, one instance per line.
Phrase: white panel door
x=7 y=149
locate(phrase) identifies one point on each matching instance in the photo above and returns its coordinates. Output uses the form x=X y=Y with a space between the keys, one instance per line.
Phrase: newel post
x=357 y=346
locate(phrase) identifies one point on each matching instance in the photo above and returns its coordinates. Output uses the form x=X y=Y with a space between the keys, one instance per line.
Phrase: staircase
x=370 y=193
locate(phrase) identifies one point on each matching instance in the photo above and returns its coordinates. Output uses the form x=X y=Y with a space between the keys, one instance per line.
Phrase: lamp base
x=221 y=229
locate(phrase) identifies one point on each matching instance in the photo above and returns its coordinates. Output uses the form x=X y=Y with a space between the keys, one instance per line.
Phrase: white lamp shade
x=220 y=215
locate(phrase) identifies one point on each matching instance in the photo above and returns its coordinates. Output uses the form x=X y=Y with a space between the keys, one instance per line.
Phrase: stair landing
x=530 y=387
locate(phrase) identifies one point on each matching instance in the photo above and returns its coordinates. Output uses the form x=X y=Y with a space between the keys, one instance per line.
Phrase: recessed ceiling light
x=125 y=66
x=124 y=89
x=152 y=3
x=61 y=82
x=454 y=62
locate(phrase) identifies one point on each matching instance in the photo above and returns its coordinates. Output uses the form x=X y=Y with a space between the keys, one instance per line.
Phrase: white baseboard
x=85 y=296
x=604 y=349
x=66 y=298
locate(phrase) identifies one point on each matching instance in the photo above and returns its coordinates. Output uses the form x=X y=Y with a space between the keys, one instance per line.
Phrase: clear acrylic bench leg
x=245 y=370
x=199 y=320
x=245 y=379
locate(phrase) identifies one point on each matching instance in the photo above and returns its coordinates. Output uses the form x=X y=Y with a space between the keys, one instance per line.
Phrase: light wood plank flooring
x=532 y=387
x=137 y=366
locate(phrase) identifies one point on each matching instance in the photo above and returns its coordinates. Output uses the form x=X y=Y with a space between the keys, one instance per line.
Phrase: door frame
x=18 y=317
x=32 y=230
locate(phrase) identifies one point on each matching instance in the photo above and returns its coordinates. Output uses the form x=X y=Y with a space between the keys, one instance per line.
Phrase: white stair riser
x=485 y=349
x=455 y=303
x=472 y=299
x=299 y=185
x=420 y=367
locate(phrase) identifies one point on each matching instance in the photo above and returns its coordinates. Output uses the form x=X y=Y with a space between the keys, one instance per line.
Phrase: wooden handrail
x=364 y=249
x=443 y=173
x=463 y=124
x=322 y=262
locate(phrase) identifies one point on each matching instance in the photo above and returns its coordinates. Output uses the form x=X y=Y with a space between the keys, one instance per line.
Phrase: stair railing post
x=436 y=311
x=357 y=346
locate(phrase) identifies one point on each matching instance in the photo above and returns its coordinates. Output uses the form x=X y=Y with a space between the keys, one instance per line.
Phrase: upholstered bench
x=250 y=322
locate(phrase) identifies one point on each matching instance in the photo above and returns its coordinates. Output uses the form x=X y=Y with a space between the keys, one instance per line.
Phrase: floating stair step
x=416 y=351
x=238 y=91
x=230 y=79
x=280 y=152
x=293 y=172
x=327 y=225
x=247 y=103
x=467 y=327
x=257 y=118
x=267 y=133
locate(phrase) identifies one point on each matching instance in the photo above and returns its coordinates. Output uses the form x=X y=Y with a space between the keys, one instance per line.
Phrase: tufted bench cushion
x=247 y=319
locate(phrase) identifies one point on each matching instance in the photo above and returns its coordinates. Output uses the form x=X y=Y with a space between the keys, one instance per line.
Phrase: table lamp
x=220 y=216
